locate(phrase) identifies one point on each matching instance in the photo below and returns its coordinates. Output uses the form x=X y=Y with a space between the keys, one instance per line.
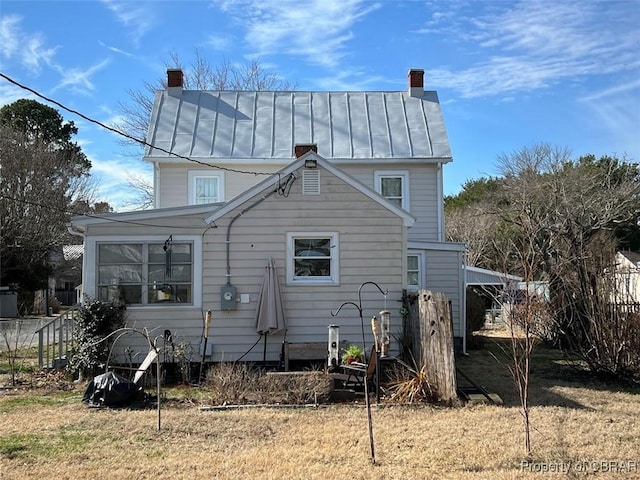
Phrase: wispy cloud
x=621 y=88
x=30 y=50
x=138 y=17
x=115 y=49
x=534 y=44
x=10 y=93
x=10 y=35
x=113 y=176
x=352 y=79
x=318 y=30
x=615 y=109
x=219 y=43
x=78 y=79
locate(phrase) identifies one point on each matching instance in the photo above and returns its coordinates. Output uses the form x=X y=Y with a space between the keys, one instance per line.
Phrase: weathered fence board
x=430 y=327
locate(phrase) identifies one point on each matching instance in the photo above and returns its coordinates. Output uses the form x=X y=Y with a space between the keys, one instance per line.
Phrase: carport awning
x=482 y=276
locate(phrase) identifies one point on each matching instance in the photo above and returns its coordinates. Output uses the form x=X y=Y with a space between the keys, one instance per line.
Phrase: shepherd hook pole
x=366 y=383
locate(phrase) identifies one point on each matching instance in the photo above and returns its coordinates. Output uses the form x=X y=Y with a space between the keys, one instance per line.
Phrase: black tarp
x=111 y=390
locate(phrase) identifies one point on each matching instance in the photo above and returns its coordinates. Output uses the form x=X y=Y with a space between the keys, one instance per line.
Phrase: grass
x=575 y=417
x=26 y=360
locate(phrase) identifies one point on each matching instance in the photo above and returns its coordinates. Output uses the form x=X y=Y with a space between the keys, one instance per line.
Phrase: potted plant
x=353 y=353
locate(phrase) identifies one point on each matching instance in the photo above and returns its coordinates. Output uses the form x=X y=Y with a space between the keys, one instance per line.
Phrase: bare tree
x=525 y=248
x=473 y=226
x=16 y=342
x=36 y=189
x=591 y=198
x=143 y=197
x=470 y=219
x=558 y=216
x=199 y=75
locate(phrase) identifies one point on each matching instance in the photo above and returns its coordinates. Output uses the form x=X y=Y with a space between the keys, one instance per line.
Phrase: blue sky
x=509 y=74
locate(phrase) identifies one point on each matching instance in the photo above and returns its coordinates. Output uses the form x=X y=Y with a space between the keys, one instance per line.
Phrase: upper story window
x=145 y=273
x=205 y=187
x=312 y=258
x=394 y=186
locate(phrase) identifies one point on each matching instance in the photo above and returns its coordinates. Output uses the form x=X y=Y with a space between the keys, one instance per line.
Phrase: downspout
x=71 y=229
x=463 y=304
x=156 y=185
x=439 y=196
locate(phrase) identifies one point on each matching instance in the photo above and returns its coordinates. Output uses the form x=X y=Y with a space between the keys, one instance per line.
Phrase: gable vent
x=311 y=182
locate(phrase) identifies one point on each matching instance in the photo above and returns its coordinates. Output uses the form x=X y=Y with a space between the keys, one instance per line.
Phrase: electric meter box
x=228 y=297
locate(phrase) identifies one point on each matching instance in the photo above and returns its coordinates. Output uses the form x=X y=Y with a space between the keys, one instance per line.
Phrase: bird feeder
x=385 y=339
x=334 y=341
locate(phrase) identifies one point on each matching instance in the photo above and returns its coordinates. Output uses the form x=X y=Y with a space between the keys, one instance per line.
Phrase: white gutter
x=463 y=302
x=156 y=185
x=440 y=198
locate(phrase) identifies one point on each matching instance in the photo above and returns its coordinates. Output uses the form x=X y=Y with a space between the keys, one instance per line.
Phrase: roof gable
x=271 y=182
x=631 y=258
x=266 y=125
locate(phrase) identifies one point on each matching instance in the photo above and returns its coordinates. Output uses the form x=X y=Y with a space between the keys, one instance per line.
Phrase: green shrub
x=95 y=321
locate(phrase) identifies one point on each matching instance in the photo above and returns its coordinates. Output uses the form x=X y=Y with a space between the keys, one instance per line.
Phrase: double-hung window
x=312 y=258
x=394 y=186
x=145 y=273
x=415 y=269
x=205 y=187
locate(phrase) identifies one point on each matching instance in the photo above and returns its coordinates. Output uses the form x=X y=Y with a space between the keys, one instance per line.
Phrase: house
x=67 y=269
x=338 y=188
x=627 y=278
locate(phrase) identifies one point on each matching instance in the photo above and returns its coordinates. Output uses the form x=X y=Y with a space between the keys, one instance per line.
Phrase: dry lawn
x=576 y=420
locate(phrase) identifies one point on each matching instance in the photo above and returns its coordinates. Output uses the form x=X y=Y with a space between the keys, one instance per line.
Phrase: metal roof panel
x=267 y=125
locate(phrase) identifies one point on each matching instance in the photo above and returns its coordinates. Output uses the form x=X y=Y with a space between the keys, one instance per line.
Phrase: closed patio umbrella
x=270 y=315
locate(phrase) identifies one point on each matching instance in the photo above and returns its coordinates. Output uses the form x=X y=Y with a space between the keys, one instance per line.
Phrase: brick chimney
x=301 y=148
x=416 y=82
x=175 y=81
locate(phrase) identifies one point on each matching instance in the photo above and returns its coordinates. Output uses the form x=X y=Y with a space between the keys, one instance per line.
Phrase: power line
x=125 y=135
x=130 y=137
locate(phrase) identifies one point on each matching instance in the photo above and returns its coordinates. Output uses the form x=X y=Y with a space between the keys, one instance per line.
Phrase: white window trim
x=90 y=279
x=335 y=259
x=403 y=174
x=195 y=174
x=421 y=270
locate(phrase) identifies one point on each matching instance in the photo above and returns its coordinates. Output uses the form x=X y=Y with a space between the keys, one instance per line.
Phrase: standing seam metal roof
x=267 y=125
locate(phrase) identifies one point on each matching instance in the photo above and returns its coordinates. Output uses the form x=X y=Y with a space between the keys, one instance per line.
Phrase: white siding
x=372 y=248
x=174 y=181
x=423 y=190
x=423 y=195
x=444 y=274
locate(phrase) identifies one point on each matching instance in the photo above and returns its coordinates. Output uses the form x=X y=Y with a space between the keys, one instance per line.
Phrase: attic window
x=205 y=187
x=311 y=182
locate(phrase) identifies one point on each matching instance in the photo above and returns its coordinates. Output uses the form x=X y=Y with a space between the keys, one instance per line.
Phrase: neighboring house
x=67 y=273
x=339 y=188
x=627 y=277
